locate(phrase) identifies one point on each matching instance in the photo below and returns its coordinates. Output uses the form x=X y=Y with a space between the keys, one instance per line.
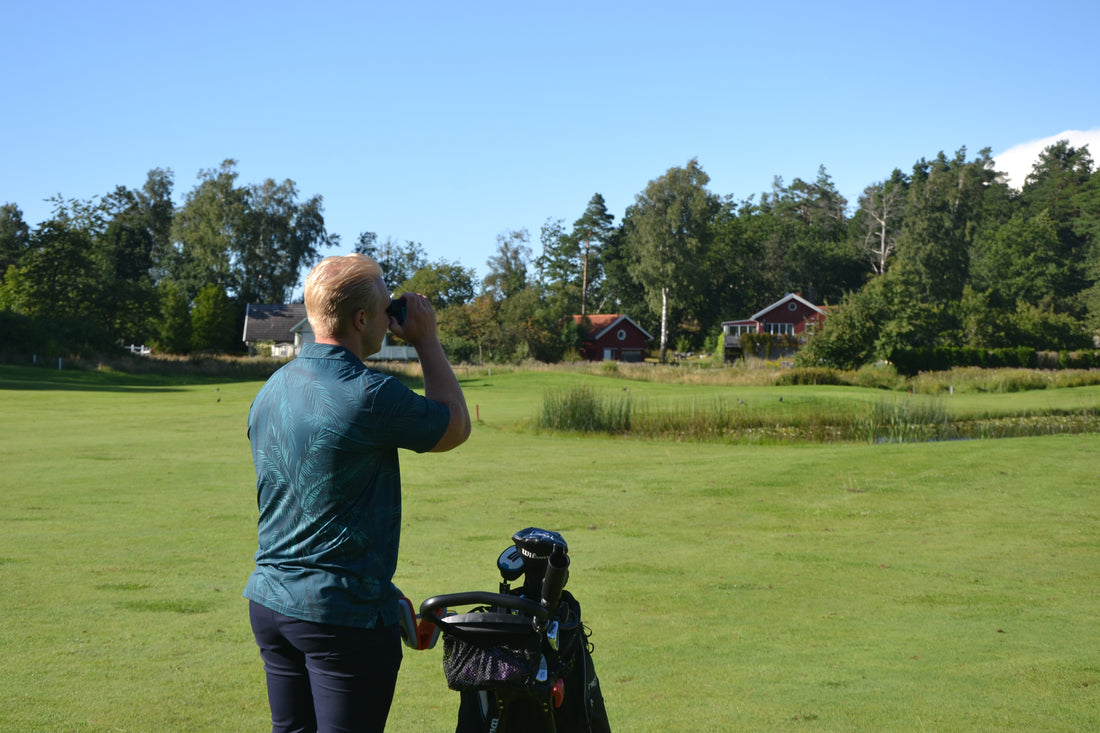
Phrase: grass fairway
x=939 y=586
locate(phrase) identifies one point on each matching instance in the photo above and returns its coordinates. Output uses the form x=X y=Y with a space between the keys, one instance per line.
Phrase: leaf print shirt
x=325 y=431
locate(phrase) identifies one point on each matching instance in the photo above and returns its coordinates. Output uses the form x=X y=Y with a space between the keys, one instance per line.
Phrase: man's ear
x=359 y=320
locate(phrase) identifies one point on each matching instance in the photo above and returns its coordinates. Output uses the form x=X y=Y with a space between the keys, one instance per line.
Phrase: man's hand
x=440 y=383
x=420 y=321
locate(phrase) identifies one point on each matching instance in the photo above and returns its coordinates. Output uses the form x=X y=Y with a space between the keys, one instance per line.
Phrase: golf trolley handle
x=429 y=609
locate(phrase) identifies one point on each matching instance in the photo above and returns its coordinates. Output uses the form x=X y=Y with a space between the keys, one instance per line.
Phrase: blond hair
x=337 y=288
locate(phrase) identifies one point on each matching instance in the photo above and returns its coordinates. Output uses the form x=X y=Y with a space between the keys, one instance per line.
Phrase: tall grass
x=1000 y=381
x=879 y=376
x=912 y=419
x=908 y=421
x=582 y=409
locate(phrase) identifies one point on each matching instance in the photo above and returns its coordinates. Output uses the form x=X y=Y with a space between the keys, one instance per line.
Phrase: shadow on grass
x=43 y=379
x=172 y=379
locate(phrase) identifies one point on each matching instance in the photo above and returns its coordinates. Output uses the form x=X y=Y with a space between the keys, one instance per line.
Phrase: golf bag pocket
x=470 y=665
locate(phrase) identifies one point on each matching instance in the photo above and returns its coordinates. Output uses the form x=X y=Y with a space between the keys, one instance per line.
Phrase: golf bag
x=521 y=659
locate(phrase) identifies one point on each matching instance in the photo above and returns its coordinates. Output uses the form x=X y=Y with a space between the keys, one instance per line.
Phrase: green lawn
x=916 y=587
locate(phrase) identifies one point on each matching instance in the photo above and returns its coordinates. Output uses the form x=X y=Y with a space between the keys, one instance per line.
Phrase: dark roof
x=272 y=322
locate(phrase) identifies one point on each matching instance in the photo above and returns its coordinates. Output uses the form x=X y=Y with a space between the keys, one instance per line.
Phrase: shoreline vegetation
x=890 y=420
x=910 y=409
x=894 y=409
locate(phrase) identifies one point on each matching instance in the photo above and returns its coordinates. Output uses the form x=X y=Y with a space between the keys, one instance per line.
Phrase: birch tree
x=669 y=235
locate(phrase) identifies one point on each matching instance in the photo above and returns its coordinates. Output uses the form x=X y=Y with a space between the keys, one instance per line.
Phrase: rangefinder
x=396 y=308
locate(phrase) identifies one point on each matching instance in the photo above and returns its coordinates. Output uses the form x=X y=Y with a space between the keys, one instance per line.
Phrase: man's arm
x=441 y=385
x=440 y=382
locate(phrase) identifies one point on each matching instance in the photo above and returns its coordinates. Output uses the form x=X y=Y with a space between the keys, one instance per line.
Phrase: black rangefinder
x=396 y=308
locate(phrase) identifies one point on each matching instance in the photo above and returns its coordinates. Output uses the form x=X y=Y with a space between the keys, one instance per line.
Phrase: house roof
x=785 y=299
x=755 y=318
x=604 y=322
x=272 y=322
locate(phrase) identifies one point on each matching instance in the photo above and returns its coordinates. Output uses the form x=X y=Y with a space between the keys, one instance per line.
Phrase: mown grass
x=826 y=587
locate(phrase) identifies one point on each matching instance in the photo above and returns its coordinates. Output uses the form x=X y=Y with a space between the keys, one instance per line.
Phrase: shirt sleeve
x=412 y=421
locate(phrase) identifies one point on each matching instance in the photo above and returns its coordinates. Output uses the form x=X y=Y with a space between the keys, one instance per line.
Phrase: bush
x=213 y=321
x=811 y=375
x=878 y=376
x=460 y=350
x=765 y=345
x=1079 y=359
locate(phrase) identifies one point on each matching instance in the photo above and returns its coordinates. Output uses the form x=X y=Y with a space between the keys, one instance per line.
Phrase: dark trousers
x=326 y=679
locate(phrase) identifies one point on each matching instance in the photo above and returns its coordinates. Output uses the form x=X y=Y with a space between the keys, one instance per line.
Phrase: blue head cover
x=538 y=544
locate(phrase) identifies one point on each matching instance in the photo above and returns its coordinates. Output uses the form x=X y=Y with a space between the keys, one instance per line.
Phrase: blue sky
x=448 y=124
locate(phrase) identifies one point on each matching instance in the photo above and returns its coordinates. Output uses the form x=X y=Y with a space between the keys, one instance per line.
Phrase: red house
x=792 y=315
x=611 y=337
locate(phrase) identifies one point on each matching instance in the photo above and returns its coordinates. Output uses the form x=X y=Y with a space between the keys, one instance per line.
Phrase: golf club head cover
x=510 y=564
x=536 y=545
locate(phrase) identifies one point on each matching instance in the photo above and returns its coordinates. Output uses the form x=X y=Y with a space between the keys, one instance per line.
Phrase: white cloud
x=1017 y=161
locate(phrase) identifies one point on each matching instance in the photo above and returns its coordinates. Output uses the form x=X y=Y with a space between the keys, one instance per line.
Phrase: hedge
x=937 y=359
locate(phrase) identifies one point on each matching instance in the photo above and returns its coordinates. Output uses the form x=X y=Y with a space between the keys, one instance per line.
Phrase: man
x=325 y=431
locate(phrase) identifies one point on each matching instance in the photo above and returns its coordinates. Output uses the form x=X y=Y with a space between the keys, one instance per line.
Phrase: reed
x=582 y=409
x=912 y=419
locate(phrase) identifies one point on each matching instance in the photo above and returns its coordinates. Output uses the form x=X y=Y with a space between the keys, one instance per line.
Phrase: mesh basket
x=472 y=666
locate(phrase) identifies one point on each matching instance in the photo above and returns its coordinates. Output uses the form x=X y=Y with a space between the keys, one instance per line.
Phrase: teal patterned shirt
x=325 y=431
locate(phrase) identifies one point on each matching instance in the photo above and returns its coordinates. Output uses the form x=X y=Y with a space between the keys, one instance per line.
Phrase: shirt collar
x=329 y=351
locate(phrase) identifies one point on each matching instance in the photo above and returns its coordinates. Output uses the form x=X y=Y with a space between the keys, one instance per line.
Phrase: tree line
x=945 y=255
